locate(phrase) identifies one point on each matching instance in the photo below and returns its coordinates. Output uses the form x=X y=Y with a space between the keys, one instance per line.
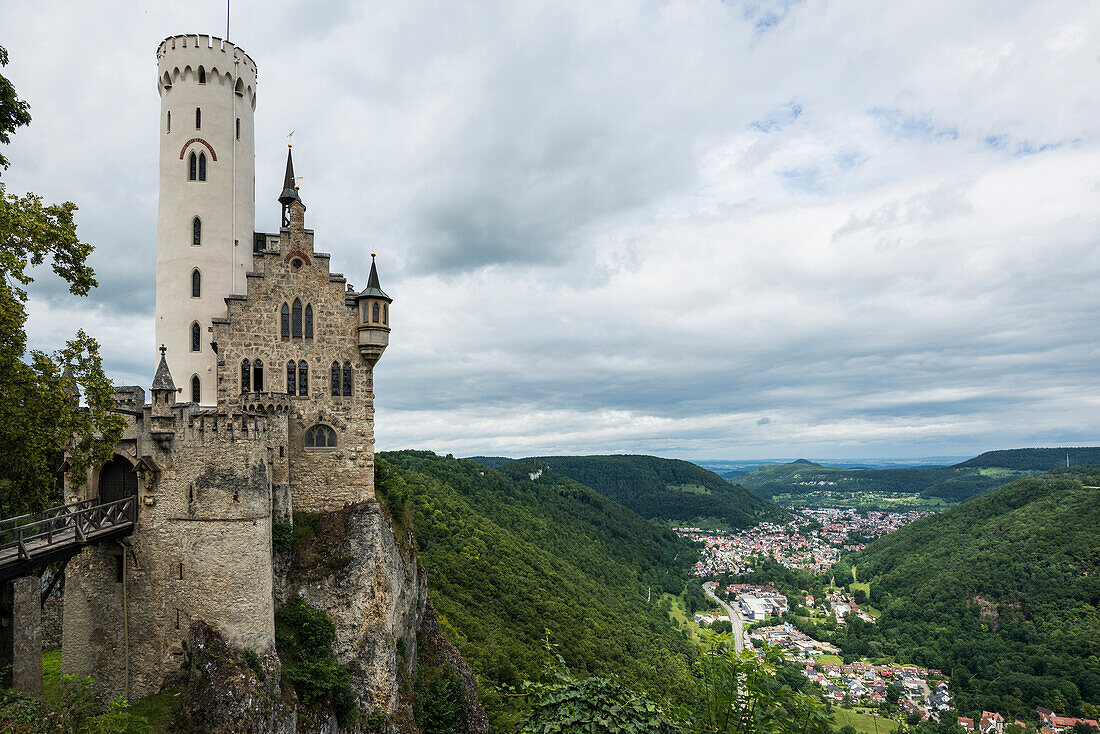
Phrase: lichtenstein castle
x=262 y=405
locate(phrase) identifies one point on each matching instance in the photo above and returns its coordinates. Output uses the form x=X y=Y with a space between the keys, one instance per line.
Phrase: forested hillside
x=1001 y=592
x=1036 y=459
x=955 y=483
x=950 y=483
x=509 y=558
x=667 y=489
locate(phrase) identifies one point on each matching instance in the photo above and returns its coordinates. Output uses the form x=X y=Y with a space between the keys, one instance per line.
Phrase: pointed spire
x=163 y=379
x=290 y=191
x=374 y=289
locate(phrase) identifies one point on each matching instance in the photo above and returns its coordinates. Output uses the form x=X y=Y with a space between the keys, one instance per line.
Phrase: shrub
x=303 y=638
x=282 y=537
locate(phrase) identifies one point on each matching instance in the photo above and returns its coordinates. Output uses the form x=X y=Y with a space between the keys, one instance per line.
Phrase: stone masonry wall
x=319 y=479
x=201 y=551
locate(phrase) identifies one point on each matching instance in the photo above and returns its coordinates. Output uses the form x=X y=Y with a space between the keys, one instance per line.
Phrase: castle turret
x=290 y=188
x=374 y=317
x=207 y=213
x=163 y=390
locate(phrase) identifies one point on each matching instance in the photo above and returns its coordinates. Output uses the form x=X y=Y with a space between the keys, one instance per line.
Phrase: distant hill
x=1035 y=459
x=952 y=483
x=509 y=558
x=667 y=489
x=1000 y=592
x=491 y=461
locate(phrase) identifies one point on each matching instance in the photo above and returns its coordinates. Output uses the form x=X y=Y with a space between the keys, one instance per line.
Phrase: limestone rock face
x=350 y=564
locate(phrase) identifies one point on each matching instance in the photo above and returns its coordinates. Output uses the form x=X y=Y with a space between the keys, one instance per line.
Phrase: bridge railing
x=70 y=523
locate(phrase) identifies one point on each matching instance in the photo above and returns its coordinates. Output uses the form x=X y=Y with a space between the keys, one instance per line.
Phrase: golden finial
x=289 y=139
x=372 y=253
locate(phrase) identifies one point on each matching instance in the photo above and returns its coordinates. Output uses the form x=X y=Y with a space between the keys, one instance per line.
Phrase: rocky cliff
x=384 y=640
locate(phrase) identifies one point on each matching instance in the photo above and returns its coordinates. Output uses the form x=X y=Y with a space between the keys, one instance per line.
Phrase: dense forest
x=1000 y=592
x=666 y=489
x=1035 y=459
x=510 y=560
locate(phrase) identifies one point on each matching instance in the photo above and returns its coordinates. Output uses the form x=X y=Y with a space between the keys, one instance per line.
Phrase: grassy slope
x=1001 y=592
x=666 y=489
x=509 y=559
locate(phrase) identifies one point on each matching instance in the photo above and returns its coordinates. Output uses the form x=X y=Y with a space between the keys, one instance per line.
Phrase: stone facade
x=212 y=481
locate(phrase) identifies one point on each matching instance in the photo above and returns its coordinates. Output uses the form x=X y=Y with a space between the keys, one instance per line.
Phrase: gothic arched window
x=246 y=376
x=196 y=337
x=334 y=379
x=303 y=378
x=202 y=166
x=347 y=379
x=196 y=231
x=296 y=319
x=291 y=378
x=193 y=167
x=198 y=118
x=374 y=313
x=258 y=376
x=385 y=314
x=284 y=321
x=309 y=321
x=196 y=389
x=320 y=436
x=196 y=283
x=202 y=76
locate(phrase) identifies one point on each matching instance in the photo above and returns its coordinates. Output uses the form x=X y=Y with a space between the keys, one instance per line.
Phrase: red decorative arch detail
x=297 y=253
x=183 y=150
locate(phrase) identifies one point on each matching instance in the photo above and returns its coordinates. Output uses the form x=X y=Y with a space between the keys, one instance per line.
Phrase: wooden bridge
x=28 y=542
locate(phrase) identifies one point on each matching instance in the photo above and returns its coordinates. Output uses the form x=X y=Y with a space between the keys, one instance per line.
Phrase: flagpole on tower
x=227 y=19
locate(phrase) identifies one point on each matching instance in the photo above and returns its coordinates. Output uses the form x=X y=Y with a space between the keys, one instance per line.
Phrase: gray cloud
x=720 y=230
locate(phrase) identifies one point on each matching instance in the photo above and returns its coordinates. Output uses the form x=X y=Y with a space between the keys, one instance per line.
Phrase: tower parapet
x=207 y=210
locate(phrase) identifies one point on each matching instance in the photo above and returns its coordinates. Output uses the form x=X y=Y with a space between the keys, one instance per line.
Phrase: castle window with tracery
x=196 y=337
x=284 y=321
x=196 y=389
x=196 y=283
x=347 y=379
x=296 y=319
x=320 y=436
x=309 y=321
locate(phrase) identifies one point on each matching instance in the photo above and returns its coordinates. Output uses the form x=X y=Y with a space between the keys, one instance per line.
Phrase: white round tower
x=207 y=211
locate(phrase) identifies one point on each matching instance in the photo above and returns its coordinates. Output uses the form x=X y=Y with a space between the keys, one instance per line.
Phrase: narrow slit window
x=196 y=389
x=169 y=121
x=198 y=118
x=309 y=321
x=238 y=128
x=202 y=166
x=193 y=167
x=291 y=378
x=385 y=314
x=334 y=379
x=347 y=379
x=258 y=376
x=303 y=378
x=196 y=232
x=246 y=376
x=296 y=319
x=196 y=283
x=196 y=337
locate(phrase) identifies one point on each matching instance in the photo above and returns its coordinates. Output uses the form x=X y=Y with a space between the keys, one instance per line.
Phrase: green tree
x=40 y=414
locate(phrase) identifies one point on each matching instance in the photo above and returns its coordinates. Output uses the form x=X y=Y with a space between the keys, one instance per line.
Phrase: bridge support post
x=21 y=634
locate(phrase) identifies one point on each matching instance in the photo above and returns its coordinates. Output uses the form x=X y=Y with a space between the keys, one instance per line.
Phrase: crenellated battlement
x=179 y=59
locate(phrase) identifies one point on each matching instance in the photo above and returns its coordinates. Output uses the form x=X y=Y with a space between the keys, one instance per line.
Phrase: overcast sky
x=705 y=230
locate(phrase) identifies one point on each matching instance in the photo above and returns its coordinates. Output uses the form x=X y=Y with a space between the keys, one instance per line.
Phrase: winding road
x=735 y=618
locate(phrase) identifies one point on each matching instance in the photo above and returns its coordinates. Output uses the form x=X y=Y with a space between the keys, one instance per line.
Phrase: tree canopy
x=40 y=412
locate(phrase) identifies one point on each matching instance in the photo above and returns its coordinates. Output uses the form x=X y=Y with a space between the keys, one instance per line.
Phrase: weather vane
x=289 y=141
x=296 y=180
